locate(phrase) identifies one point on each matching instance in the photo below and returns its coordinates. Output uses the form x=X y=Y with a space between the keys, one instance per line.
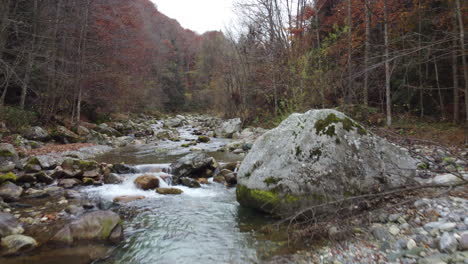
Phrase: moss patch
x=5 y=153
x=268 y=201
x=8 y=177
x=271 y=180
x=326 y=126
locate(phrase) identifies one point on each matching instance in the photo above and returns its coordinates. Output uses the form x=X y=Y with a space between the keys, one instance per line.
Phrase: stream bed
x=203 y=225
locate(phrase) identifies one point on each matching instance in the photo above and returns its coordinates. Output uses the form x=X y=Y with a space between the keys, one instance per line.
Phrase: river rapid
x=203 y=225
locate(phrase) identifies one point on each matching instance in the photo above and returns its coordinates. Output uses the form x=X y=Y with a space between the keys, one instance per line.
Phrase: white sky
x=198 y=15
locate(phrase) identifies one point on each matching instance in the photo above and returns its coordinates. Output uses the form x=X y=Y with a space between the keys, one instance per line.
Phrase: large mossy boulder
x=194 y=165
x=64 y=135
x=318 y=157
x=94 y=226
x=36 y=133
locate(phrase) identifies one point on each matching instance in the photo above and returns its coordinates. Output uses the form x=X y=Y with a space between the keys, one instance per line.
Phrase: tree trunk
x=4 y=23
x=30 y=61
x=350 y=47
x=461 y=28
x=441 y=99
x=366 y=54
x=387 y=67
x=81 y=55
x=456 y=95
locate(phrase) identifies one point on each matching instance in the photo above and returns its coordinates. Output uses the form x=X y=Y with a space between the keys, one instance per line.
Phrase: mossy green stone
x=326 y=127
x=5 y=153
x=268 y=201
x=271 y=180
x=8 y=177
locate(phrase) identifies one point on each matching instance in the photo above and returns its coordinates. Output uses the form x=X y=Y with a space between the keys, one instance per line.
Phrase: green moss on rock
x=266 y=200
x=326 y=126
x=271 y=180
x=8 y=177
x=6 y=153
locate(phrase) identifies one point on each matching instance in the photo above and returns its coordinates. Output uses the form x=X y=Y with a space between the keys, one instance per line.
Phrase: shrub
x=16 y=118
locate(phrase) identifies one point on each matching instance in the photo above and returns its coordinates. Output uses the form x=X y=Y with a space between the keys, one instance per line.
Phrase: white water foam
x=128 y=188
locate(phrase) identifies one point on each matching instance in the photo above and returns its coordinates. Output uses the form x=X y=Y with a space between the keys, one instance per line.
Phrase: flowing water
x=204 y=225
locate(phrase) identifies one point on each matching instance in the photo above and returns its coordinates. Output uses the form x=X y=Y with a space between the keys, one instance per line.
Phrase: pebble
x=448 y=243
x=411 y=244
x=394 y=230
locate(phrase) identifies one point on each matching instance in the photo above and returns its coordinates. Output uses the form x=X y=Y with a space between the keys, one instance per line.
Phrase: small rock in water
x=166 y=191
x=147 y=182
x=128 y=199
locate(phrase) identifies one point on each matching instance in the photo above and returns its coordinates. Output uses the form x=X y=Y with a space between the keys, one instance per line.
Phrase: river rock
x=33 y=165
x=7 y=166
x=36 y=133
x=122 y=169
x=448 y=243
x=128 y=198
x=16 y=244
x=107 y=130
x=464 y=241
x=11 y=177
x=194 y=165
x=315 y=157
x=174 y=122
x=112 y=178
x=69 y=183
x=44 y=178
x=189 y=182
x=147 y=182
x=10 y=192
x=166 y=191
x=7 y=153
x=64 y=135
x=229 y=127
x=9 y=225
x=26 y=178
x=94 y=226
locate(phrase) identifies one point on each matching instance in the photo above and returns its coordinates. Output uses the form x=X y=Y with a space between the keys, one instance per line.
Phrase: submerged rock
x=147 y=182
x=16 y=244
x=112 y=178
x=128 y=198
x=192 y=183
x=94 y=226
x=316 y=157
x=9 y=225
x=166 y=191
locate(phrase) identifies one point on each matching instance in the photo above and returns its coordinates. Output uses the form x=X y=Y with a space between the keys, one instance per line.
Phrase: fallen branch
x=312 y=209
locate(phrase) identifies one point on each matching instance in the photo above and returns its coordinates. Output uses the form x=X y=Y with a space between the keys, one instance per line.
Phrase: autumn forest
x=85 y=59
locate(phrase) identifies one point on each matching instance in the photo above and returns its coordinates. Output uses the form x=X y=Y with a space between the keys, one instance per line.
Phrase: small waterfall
x=162 y=171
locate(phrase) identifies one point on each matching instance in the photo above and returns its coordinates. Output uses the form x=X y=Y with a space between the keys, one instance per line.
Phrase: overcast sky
x=198 y=15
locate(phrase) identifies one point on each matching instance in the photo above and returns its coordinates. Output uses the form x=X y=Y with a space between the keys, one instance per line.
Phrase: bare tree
x=461 y=29
x=387 y=67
